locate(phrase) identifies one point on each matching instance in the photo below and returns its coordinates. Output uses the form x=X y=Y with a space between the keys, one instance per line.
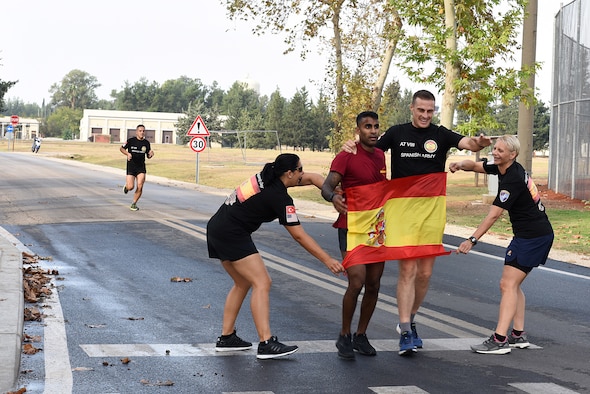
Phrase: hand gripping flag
x=403 y=218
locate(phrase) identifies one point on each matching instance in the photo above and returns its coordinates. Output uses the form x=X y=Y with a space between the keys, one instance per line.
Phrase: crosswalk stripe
x=208 y=349
x=542 y=388
x=398 y=390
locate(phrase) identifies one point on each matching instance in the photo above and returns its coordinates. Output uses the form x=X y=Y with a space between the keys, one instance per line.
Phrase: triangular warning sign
x=198 y=128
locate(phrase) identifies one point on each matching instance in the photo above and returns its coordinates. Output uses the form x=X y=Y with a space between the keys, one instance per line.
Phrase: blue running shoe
x=406 y=344
x=417 y=340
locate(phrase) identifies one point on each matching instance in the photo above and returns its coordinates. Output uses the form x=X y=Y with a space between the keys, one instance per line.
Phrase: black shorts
x=342 y=235
x=135 y=169
x=528 y=253
x=224 y=243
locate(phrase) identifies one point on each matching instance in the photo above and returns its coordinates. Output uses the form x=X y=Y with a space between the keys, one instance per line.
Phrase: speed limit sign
x=198 y=144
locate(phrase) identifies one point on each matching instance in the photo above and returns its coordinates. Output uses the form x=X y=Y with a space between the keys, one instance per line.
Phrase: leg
x=130 y=182
x=511 y=303
x=422 y=281
x=406 y=289
x=372 y=284
x=249 y=272
x=356 y=280
x=139 y=189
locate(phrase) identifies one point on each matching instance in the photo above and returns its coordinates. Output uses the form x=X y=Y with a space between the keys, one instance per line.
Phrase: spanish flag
x=403 y=218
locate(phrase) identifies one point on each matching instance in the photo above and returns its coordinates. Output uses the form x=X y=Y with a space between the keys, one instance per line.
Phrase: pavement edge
x=11 y=309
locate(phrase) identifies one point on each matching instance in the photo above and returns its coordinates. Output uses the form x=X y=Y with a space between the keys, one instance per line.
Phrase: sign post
x=9 y=132
x=198 y=143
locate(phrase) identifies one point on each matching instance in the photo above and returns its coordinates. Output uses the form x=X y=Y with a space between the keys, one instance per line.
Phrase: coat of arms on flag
x=403 y=218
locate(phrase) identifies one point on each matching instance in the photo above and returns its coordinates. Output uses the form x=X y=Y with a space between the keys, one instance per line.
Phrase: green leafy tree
x=297 y=121
x=238 y=99
x=341 y=26
x=321 y=124
x=75 y=91
x=175 y=95
x=136 y=97
x=211 y=117
x=395 y=108
x=459 y=46
x=64 y=121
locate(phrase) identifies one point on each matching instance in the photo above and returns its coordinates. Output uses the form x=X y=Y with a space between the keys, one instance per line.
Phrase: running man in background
x=136 y=149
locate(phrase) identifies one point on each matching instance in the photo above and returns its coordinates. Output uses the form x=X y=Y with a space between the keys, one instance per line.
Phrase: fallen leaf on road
x=179 y=279
x=30 y=349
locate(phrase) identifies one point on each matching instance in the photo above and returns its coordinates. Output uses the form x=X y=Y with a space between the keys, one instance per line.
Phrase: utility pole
x=526 y=110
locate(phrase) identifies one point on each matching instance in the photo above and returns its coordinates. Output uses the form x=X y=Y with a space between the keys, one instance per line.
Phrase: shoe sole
x=134 y=209
x=497 y=351
x=407 y=352
x=520 y=345
x=232 y=349
x=370 y=354
x=269 y=356
x=346 y=356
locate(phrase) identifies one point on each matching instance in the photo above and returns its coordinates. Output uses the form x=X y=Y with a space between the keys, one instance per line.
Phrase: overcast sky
x=125 y=40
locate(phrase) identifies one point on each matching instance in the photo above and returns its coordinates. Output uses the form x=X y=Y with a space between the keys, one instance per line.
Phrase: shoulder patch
x=504 y=195
x=291 y=214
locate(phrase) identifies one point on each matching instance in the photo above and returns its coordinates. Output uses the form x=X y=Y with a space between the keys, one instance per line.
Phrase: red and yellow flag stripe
x=403 y=218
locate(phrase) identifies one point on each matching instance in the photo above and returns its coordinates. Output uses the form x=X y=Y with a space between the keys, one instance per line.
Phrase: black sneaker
x=125 y=190
x=230 y=343
x=361 y=344
x=345 y=348
x=521 y=342
x=273 y=349
x=492 y=346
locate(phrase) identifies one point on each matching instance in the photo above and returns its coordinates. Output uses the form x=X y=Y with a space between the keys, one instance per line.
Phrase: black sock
x=500 y=338
x=516 y=333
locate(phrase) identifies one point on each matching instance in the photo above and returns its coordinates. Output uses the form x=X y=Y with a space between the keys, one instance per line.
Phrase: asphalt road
x=115 y=301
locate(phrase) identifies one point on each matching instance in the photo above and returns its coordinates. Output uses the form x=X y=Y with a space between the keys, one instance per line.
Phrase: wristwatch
x=473 y=240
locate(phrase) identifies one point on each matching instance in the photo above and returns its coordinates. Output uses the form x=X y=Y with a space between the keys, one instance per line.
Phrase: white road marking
x=542 y=388
x=208 y=349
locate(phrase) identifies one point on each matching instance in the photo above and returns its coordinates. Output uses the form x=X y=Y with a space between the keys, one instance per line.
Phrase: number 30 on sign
x=198 y=144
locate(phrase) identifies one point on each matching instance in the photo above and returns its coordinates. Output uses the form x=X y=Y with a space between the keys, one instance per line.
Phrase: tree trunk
x=337 y=137
x=389 y=52
x=449 y=100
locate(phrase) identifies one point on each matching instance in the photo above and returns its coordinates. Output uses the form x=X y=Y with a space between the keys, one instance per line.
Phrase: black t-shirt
x=518 y=194
x=253 y=203
x=138 y=149
x=417 y=151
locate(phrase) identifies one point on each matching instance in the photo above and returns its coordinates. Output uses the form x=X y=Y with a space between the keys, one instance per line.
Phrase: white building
x=26 y=129
x=117 y=126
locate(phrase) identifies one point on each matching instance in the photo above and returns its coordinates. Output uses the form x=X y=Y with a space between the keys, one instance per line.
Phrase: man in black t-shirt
x=136 y=149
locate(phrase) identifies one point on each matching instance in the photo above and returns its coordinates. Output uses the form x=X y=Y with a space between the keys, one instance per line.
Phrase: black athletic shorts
x=135 y=169
x=224 y=243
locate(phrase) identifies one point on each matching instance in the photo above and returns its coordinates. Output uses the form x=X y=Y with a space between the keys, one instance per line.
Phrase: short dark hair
x=424 y=95
x=366 y=114
x=139 y=125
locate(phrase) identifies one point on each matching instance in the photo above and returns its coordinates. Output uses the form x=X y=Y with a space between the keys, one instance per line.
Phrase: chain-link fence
x=569 y=137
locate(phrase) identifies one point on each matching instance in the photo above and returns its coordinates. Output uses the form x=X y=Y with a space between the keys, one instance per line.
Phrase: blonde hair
x=512 y=143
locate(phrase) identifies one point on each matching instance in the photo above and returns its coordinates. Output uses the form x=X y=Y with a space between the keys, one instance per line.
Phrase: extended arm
x=475 y=144
x=493 y=215
x=312 y=178
x=309 y=244
x=467 y=165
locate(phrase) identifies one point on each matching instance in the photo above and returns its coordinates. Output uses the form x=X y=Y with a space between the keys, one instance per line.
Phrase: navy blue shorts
x=528 y=253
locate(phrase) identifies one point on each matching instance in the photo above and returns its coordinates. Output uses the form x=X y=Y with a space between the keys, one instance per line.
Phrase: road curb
x=11 y=310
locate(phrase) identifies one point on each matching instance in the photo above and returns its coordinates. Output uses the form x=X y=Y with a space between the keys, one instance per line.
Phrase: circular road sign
x=198 y=144
x=14 y=120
